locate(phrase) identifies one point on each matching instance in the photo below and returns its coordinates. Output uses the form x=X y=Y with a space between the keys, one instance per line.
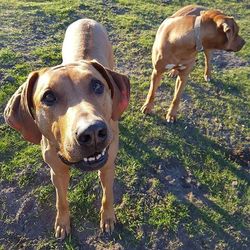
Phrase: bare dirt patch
x=226 y=60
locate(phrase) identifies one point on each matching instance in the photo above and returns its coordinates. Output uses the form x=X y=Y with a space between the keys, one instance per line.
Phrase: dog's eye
x=97 y=86
x=49 y=98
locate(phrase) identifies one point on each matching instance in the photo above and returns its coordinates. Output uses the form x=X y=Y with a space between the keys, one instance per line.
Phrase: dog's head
x=74 y=107
x=227 y=34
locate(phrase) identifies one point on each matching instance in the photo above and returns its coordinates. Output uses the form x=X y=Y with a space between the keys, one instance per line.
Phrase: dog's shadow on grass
x=181 y=179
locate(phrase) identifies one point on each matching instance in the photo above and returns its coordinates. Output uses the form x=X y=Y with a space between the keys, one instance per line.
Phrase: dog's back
x=86 y=39
x=189 y=10
x=172 y=23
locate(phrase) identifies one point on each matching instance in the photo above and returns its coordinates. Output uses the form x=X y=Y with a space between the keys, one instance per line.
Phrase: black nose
x=94 y=134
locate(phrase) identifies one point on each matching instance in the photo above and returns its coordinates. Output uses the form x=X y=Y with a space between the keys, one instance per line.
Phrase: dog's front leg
x=60 y=179
x=208 y=66
x=107 y=209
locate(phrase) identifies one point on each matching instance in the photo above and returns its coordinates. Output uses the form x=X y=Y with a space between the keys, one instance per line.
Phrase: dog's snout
x=239 y=45
x=94 y=134
x=243 y=42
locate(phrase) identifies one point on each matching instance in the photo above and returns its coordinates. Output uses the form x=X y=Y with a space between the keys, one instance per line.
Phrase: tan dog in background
x=177 y=42
x=72 y=110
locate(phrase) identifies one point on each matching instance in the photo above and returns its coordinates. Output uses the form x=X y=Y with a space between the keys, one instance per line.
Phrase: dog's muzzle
x=91 y=163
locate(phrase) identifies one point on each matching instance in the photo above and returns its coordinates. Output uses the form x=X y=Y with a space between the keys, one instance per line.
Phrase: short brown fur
x=87 y=57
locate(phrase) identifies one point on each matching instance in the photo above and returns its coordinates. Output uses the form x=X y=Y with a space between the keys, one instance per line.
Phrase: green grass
x=175 y=184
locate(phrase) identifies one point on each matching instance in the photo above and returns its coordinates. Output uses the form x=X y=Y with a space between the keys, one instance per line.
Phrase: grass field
x=178 y=186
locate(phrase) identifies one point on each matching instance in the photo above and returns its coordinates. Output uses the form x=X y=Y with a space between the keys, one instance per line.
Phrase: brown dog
x=72 y=110
x=177 y=42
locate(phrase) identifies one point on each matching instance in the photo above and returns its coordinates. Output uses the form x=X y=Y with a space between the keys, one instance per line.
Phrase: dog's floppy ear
x=18 y=114
x=227 y=26
x=228 y=31
x=120 y=89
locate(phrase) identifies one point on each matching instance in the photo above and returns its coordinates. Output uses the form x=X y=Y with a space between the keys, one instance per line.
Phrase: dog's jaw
x=92 y=163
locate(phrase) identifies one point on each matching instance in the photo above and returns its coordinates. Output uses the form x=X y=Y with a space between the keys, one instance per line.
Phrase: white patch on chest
x=175 y=66
x=169 y=66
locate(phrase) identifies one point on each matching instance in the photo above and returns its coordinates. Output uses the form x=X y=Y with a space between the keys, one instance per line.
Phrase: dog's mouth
x=91 y=163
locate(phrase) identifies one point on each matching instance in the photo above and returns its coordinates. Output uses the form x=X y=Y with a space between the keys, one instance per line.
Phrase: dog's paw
x=108 y=220
x=171 y=117
x=147 y=108
x=207 y=78
x=62 y=226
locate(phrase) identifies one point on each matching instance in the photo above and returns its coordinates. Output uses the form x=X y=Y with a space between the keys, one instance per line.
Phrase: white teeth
x=91 y=158
x=104 y=150
x=98 y=156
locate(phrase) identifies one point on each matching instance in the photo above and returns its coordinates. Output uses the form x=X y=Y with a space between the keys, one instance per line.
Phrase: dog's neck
x=197 y=34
